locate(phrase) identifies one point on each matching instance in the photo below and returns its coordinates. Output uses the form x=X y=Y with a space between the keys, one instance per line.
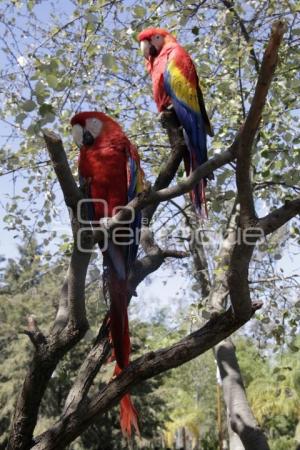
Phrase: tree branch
x=280 y=216
x=90 y=367
x=249 y=231
x=59 y=160
x=168 y=171
x=149 y=365
x=249 y=129
x=155 y=257
x=34 y=333
x=49 y=350
x=62 y=315
x=241 y=418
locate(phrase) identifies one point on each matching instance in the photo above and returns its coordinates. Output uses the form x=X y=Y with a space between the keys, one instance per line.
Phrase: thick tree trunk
x=242 y=428
x=241 y=418
x=234 y=441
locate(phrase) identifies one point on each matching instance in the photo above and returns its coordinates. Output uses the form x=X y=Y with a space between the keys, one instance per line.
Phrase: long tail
x=119 y=317
x=116 y=285
x=128 y=413
x=197 y=195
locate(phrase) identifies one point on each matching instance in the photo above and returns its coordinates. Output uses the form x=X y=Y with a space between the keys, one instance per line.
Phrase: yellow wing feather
x=182 y=88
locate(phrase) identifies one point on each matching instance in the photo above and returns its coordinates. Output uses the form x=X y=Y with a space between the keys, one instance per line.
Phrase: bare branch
x=149 y=365
x=34 y=333
x=174 y=254
x=155 y=197
x=49 y=351
x=90 y=367
x=178 y=147
x=219 y=292
x=155 y=257
x=249 y=129
x=62 y=315
x=280 y=216
x=186 y=185
x=241 y=418
x=62 y=169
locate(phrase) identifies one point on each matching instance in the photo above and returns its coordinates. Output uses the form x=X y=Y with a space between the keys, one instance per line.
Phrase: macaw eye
x=157 y=37
x=77 y=133
x=94 y=126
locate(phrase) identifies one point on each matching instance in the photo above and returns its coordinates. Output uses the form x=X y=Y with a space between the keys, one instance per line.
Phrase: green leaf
x=281 y=377
x=49 y=117
x=45 y=108
x=20 y=118
x=41 y=92
x=52 y=80
x=28 y=106
x=109 y=61
x=91 y=18
x=266 y=320
x=293 y=348
x=139 y=11
x=229 y=195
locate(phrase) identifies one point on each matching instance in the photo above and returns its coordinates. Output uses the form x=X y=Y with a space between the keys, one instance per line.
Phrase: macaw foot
x=161 y=116
x=170 y=108
x=168 y=118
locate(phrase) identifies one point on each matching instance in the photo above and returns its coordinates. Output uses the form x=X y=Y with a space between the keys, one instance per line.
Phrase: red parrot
x=109 y=168
x=175 y=84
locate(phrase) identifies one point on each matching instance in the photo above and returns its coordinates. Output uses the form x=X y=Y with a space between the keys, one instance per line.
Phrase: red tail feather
x=128 y=413
x=119 y=331
x=119 y=318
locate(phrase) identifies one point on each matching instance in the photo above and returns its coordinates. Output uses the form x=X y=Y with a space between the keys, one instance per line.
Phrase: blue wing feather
x=136 y=224
x=85 y=187
x=194 y=134
x=192 y=122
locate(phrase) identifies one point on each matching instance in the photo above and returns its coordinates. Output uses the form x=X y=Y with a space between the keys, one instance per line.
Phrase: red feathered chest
x=103 y=161
x=104 y=167
x=157 y=69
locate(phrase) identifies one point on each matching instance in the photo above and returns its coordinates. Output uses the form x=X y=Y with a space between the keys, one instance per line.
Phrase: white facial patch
x=94 y=126
x=145 y=48
x=77 y=133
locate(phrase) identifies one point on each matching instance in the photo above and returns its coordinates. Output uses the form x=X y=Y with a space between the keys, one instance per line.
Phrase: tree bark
x=234 y=441
x=241 y=418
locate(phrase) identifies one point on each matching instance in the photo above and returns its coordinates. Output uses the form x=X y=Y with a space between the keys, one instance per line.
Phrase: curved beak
x=145 y=48
x=88 y=138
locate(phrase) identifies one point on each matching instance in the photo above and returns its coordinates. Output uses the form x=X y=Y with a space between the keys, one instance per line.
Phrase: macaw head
x=88 y=127
x=152 y=41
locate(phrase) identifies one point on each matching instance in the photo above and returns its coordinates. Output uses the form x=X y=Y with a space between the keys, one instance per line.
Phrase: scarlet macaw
x=109 y=166
x=175 y=82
